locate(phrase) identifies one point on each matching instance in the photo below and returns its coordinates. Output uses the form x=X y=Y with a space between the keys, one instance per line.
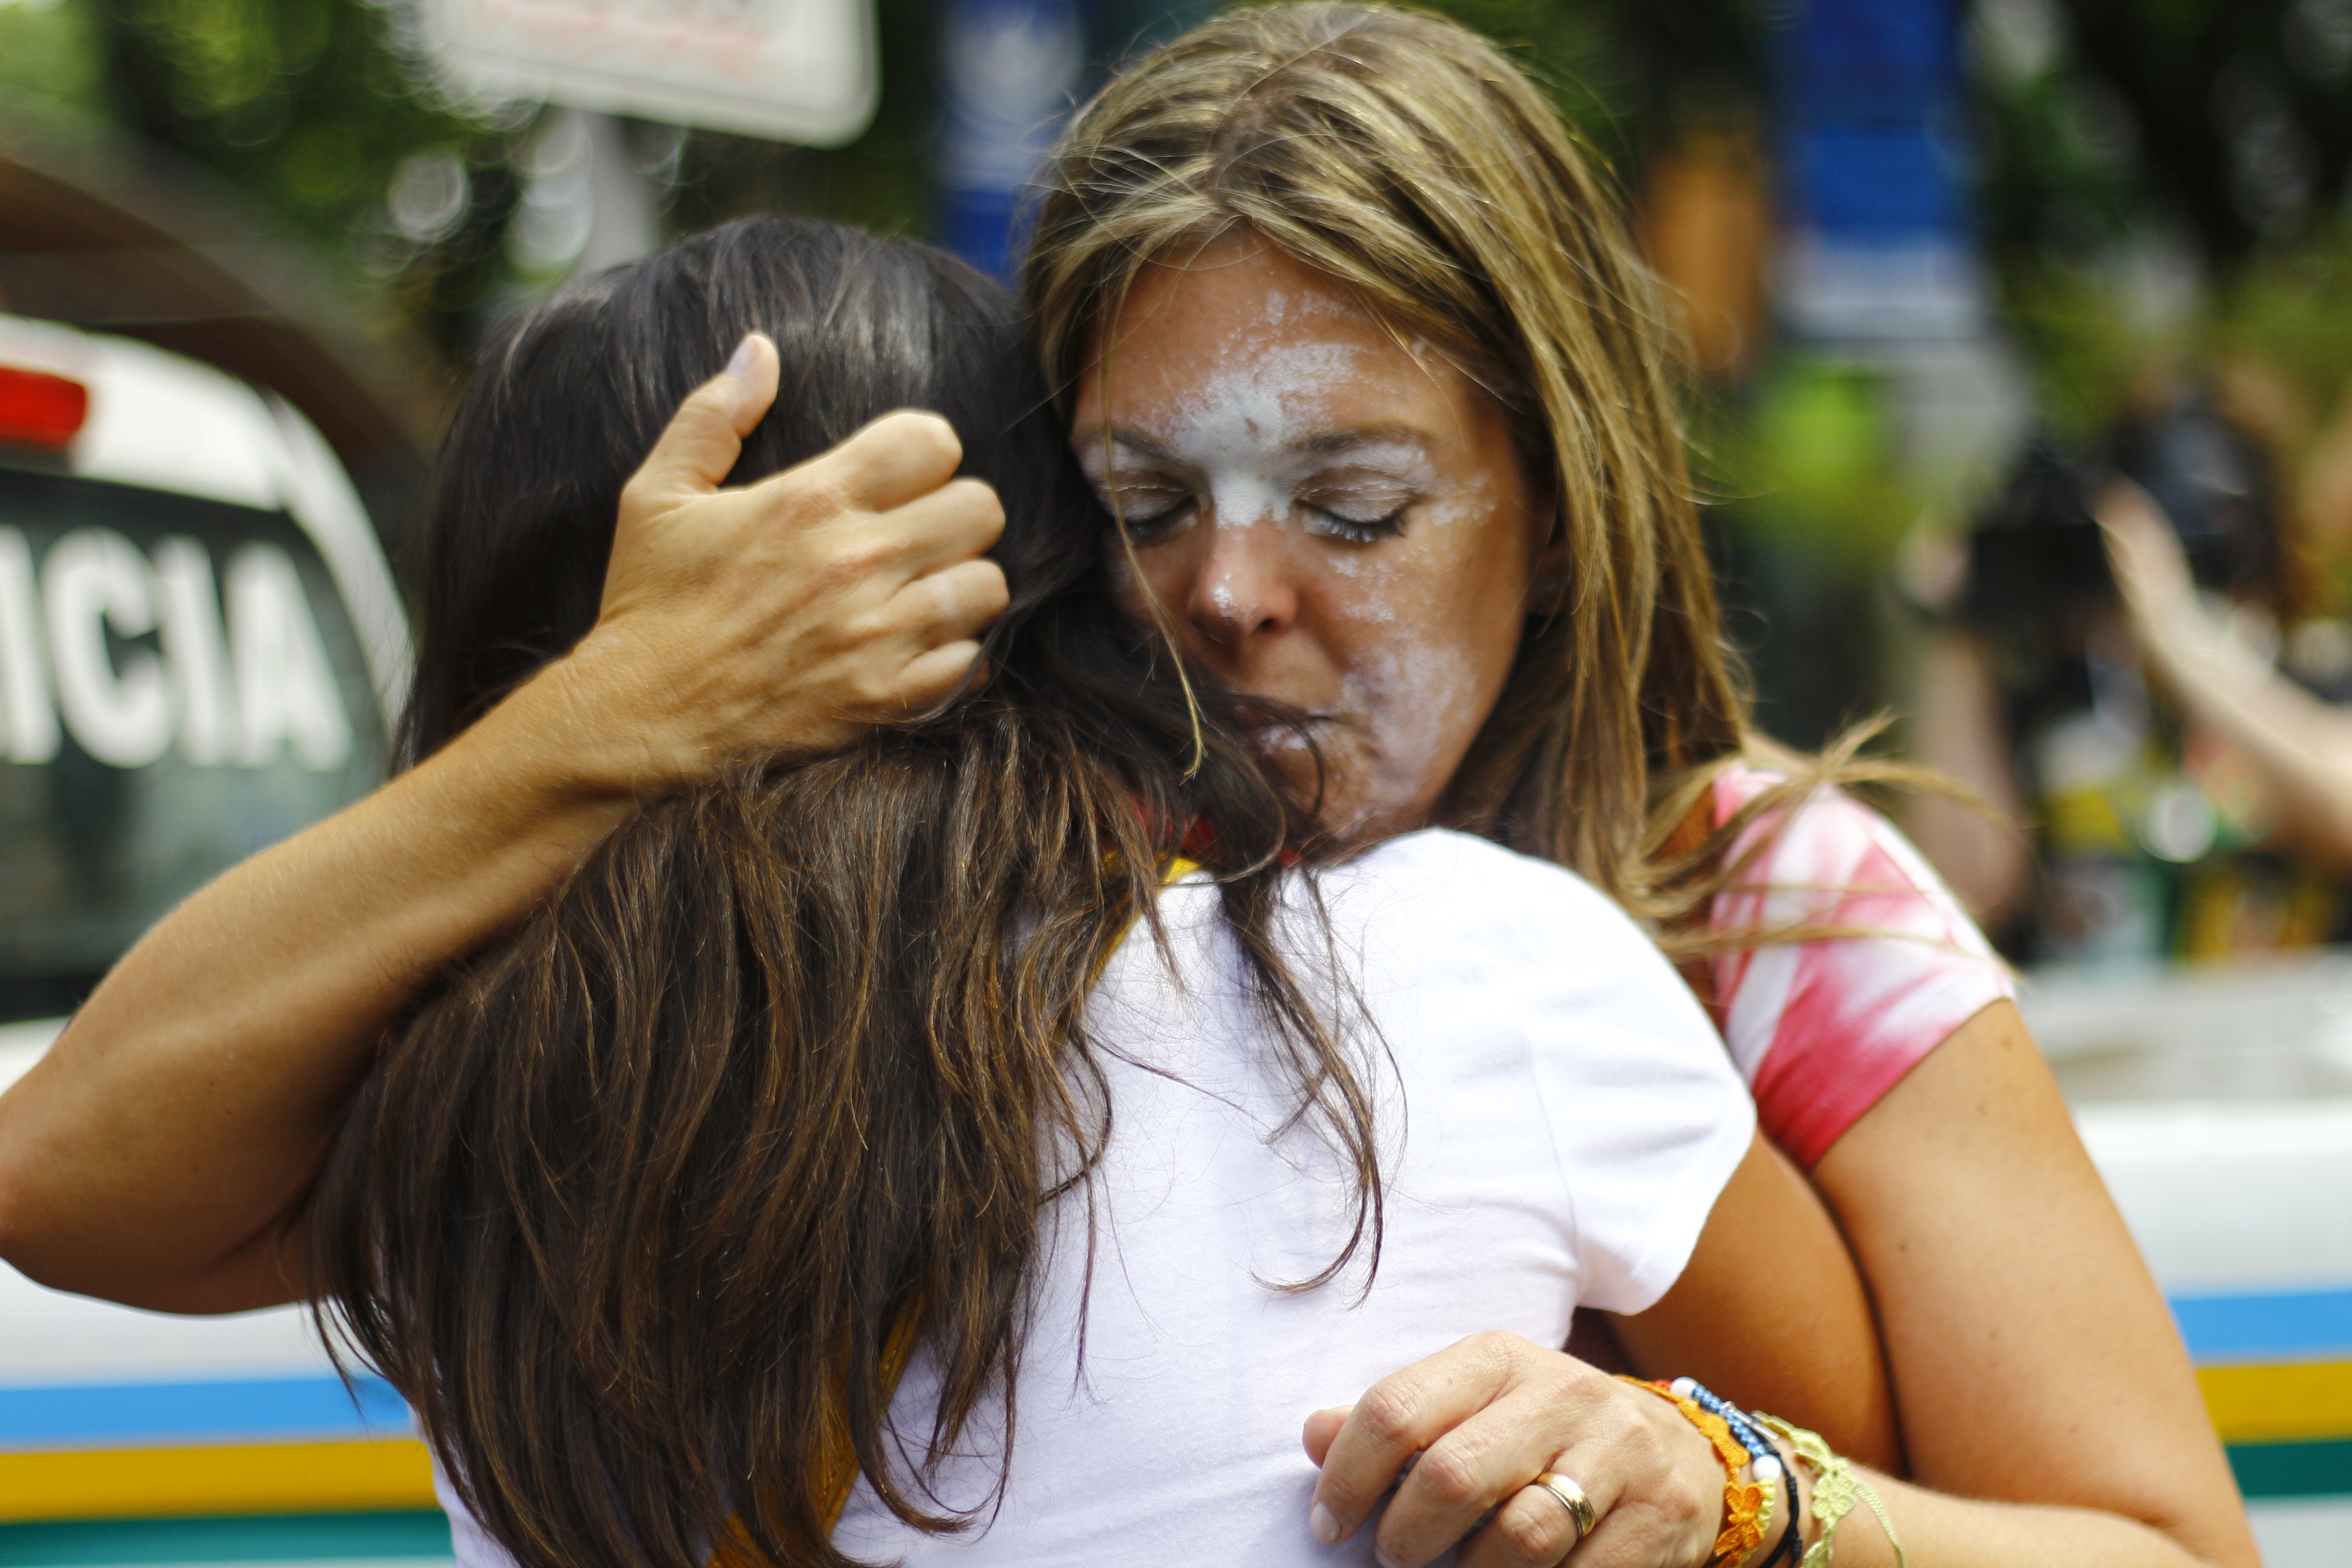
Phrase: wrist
x=1745 y=1460
x=570 y=735
x=1783 y=1545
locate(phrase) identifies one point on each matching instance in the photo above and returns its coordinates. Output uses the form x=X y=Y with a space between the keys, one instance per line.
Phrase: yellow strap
x=1174 y=872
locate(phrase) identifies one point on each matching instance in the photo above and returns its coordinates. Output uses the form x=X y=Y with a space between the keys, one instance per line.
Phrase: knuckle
x=1641 y=1444
x=872 y=693
x=866 y=629
x=1450 y=1473
x=1500 y=1350
x=808 y=495
x=1526 y=1536
x=844 y=565
x=865 y=555
x=1386 y=1413
x=976 y=498
x=908 y=438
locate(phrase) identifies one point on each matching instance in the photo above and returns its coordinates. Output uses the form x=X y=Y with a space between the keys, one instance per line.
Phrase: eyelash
x=1145 y=527
x=1360 y=530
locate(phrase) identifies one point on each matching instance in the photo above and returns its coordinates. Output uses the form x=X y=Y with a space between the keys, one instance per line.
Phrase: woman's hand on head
x=1486 y=1417
x=795 y=612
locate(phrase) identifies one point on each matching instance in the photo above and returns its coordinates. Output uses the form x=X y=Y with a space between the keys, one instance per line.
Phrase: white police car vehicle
x=201 y=651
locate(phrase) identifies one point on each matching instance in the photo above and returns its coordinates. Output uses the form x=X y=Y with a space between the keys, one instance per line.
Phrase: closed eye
x=1150 y=511
x=1355 y=527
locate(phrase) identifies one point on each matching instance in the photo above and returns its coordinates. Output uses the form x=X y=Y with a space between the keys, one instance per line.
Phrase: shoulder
x=1827 y=820
x=1823 y=1027
x=1831 y=860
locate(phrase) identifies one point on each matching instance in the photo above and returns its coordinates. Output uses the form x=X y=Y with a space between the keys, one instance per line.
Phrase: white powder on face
x=1237 y=428
x=1401 y=699
x=1246 y=428
x=1467 y=501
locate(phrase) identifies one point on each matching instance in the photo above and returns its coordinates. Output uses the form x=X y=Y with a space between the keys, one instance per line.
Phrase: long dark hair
x=640 y=1207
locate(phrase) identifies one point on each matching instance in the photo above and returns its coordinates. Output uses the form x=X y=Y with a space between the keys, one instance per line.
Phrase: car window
x=179 y=685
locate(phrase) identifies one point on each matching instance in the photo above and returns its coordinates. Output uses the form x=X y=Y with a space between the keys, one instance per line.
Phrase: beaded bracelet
x=1746 y=1509
x=1766 y=1468
x=1836 y=1489
x=1743 y=1426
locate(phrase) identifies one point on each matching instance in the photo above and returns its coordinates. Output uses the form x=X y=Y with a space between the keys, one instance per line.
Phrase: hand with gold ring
x=1500 y=1424
x=1571 y=1498
x=1582 y=1516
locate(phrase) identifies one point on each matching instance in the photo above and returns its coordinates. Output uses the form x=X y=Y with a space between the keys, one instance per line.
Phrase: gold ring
x=1570 y=1496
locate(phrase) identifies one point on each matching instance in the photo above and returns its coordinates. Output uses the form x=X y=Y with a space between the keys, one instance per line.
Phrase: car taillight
x=38 y=409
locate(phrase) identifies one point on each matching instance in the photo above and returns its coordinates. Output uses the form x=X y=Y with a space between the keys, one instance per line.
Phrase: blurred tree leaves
x=2163 y=180
x=2138 y=159
x=51 y=63
x=316 y=106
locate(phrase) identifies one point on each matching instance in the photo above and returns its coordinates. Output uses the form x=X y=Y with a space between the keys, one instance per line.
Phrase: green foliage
x=2291 y=312
x=2083 y=354
x=2214 y=132
x=301 y=101
x=313 y=107
x=1812 y=464
x=50 y=60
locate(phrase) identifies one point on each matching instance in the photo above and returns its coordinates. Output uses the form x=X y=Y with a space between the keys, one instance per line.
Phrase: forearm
x=2035 y=1361
x=150 y=1155
x=2301 y=746
x=1941 y=1531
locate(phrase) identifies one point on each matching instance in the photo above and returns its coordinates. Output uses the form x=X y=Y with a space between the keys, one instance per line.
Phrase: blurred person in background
x=2289 y=734
x=1392 y=434
x=2141 y=825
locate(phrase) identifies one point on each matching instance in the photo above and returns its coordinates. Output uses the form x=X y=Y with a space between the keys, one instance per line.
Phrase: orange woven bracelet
x=1743 y=1504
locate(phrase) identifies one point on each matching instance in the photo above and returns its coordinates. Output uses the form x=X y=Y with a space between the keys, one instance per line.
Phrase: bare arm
x=2301 y=746
x=2033 y=1358
x=150 y=1155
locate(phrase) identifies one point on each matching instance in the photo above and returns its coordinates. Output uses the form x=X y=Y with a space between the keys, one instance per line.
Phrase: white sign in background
x=796 y=71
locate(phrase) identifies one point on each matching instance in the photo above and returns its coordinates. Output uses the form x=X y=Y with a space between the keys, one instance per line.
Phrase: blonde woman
x=1354 y=341
x=1444 y=513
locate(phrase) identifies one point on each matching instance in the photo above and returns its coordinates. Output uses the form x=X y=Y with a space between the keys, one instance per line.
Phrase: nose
x=1244 y=590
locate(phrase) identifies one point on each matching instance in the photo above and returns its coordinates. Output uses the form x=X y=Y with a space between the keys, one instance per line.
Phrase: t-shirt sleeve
x=1824 y=1029
x=1647 y=1116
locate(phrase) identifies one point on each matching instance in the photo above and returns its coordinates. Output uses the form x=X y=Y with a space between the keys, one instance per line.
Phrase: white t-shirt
x=1556 y=1118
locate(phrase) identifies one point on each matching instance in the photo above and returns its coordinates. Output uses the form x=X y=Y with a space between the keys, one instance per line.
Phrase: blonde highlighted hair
x=1409 y=159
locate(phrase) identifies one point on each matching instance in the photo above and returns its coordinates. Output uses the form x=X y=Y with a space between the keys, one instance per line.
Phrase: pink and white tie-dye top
x=1823 y=1029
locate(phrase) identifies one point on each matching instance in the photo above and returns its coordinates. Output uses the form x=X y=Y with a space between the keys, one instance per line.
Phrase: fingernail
x=1323 y=1525
x=1385 y=1560
x=745 y=352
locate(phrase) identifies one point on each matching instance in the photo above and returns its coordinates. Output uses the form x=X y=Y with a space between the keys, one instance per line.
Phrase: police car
x=201 y=651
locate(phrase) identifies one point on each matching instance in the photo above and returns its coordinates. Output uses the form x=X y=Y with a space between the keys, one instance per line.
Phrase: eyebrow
x=1328 y=444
